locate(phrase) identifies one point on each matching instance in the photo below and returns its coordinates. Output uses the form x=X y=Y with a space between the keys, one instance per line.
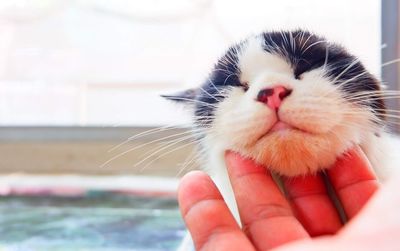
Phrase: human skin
x=304 y=220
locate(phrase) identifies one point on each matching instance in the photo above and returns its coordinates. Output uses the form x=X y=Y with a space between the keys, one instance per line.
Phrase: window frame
x=390 y=39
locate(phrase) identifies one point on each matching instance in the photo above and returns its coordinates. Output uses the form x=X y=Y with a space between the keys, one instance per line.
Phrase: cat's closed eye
x=298 y=76
x=245 y=86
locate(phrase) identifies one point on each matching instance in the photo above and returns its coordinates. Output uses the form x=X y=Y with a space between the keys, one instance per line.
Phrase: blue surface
x=95 y=221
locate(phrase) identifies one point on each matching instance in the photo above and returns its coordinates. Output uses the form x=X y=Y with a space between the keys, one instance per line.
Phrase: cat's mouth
x=282 y=127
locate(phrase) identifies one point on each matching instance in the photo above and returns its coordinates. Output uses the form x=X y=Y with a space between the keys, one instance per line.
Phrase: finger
x=380 y=217
x=207 y=216
x=353 y=180
x=312 y=205
x=266 y=215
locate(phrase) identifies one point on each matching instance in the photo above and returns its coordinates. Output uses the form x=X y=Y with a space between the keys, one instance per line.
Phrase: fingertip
x=232 y=158
x=239 y=165
x=206 y=214
x=351 y=167
x=354 y=180
x=303 y=185
x=195 y=186
x=188 y=179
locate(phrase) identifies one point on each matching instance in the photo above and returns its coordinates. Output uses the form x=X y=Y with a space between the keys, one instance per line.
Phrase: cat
x=292 y=101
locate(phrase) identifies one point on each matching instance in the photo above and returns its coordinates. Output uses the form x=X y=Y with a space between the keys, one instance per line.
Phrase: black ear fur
x=186 y=96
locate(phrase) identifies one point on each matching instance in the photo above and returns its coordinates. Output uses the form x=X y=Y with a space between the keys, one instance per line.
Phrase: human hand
x=269 y=219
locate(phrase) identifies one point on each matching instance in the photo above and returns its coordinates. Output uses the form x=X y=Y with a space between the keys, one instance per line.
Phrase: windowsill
x=85 y=150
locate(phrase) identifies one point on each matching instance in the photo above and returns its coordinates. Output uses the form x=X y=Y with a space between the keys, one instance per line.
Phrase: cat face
x=290 y=100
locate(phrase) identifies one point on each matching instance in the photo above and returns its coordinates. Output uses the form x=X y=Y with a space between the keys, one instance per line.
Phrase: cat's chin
x=291 y=152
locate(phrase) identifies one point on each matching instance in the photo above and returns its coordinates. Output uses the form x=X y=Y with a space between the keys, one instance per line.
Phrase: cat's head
x=290 y=100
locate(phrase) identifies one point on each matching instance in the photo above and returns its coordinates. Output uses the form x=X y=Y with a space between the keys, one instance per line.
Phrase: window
x=104 y=63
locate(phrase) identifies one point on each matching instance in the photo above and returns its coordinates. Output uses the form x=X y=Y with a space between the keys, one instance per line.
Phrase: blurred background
x=80 y=77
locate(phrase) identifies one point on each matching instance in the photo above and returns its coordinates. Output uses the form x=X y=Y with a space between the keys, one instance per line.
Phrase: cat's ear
x=187 y=96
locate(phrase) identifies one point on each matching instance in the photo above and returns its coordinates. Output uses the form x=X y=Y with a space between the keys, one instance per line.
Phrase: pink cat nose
x=273 y=97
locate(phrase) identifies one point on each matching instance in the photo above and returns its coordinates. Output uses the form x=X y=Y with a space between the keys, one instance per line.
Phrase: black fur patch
x=225 y=75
